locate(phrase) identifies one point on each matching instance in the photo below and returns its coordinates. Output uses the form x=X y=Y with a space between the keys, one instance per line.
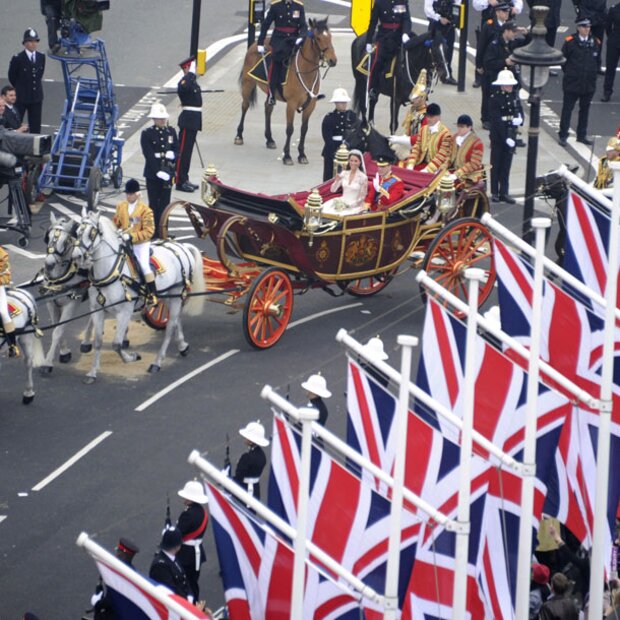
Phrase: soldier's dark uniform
x=170 y=574
x=190 y=123
x=192 y=524
x=503 y=108
x=612 y=27
x=289 y=22
x=333 y=128
x=490 y=31
x=26 y=76
x=394 y=20
x=579 y=83
x=249 y=468
x=155 y=141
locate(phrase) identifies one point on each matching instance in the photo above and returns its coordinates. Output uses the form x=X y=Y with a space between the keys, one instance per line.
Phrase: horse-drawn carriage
x=269 y=247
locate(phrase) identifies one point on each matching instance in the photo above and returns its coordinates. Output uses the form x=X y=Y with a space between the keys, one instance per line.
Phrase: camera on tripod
x=15 y=147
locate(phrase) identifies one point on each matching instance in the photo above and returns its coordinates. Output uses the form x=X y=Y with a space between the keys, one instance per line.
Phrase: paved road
x=119 y=486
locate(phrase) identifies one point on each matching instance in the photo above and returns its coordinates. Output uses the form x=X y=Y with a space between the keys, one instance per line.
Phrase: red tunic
x=392 y=188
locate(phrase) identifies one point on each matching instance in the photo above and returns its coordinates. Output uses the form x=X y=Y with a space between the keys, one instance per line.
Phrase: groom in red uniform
x=384 y=189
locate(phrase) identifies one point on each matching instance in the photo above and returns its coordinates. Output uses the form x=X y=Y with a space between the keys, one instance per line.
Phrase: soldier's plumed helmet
x=132 y=187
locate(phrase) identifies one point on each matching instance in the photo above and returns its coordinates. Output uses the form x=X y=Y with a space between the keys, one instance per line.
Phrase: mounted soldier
x=289 y=20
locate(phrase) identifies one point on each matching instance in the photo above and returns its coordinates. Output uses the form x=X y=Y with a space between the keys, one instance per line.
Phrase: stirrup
x=151 y=300
x=14 y=351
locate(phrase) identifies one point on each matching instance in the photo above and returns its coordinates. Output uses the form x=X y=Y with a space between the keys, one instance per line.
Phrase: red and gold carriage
x=270 y=247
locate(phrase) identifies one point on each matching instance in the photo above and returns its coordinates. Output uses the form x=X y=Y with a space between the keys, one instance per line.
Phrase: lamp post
x=536 y=58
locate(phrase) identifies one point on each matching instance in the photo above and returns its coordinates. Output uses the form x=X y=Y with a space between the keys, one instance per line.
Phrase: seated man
x=467 y=152
x=433 y=149
x=385 y=189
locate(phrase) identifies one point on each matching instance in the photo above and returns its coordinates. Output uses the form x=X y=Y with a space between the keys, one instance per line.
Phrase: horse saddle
x=260 y=70
x=366 y=62
x=156 y=266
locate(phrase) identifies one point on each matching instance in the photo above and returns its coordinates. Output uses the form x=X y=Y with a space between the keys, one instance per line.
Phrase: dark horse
x=424 y=51
x=554 y=186
x=300 y=91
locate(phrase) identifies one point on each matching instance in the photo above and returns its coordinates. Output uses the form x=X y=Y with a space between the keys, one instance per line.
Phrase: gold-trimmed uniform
x=5 y=268
x=140 y=224
x=467 y=158
x=432 y=150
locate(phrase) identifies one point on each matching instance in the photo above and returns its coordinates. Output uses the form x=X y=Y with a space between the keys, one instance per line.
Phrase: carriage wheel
x=156 y=317
x=268 y=308
x=475 y=203
x=365 y=287
x=464 y=243
x=117 y=176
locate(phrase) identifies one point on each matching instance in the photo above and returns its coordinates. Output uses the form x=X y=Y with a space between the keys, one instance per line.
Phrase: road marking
x=320 y=314
x=66 y=211
x=25 y=253
x=185 y=378
x=2 y=518
x=74 y=459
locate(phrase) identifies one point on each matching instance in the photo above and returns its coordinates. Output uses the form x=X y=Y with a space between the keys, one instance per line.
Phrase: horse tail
x=195 y=303
x=38 y=354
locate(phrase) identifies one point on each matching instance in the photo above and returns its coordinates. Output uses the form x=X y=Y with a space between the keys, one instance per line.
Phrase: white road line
x=25 y=253
x=66 y=211
x=74 y=459
x=183 y=379
x=2 y=518
x=320 y=314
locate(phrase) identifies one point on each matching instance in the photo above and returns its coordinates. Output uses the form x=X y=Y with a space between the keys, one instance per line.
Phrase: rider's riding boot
x=9 y=332
x=151 y=296
x=271 y=100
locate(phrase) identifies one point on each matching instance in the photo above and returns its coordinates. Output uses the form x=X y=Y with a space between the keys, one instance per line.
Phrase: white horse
x=116 y=288
x=62 y=279
x=23 y=311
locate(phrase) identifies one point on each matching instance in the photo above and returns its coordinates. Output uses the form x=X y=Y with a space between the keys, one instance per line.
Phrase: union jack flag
x=571 y=342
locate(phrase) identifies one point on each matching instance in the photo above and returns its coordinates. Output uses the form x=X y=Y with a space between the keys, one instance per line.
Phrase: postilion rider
x=467 y=153
x=7 y=323
x=385 y=189
x=135 y=220
x=289 y=26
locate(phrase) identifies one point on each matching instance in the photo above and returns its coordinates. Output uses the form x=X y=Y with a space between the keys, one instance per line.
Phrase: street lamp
x=536 y=57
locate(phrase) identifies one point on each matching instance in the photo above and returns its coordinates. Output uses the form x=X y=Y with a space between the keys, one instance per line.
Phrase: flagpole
x=396 y=507
x=597 y=567
x=307 y=415
x=459 y=598
x=540 y=224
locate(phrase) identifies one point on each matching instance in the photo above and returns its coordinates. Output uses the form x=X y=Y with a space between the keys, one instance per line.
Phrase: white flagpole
x=159 y=593
x=459 y=598
x=597 y=567
x=396 y=507
x=307 y=415
x=529 y=451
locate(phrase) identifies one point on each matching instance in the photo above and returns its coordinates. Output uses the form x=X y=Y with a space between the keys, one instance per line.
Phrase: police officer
x=335 y=124
x=7 y=322
x=596 y=12
x=394 y=21
x=26 y=75
x=582 y=52
x=190 y=122
x=289 y=27
x=612 y=56
x=506 y=115
x=439 y=15
x=159 y=147
x=251 y=464
x=193 y=524
x=166 y=570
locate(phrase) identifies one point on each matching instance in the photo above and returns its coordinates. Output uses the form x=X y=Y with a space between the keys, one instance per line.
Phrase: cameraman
x=440 y=18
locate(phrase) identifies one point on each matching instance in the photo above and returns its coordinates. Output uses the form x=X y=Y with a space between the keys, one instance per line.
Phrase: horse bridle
x=55 y=250
x=322 y=52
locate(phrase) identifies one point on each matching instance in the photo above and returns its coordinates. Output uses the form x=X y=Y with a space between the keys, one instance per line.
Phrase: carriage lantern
x=446 y=195
x=312 y=213
x=206 y=190
x=340 y=161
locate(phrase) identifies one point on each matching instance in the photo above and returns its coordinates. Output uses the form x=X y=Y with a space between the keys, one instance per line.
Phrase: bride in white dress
x=354 y=184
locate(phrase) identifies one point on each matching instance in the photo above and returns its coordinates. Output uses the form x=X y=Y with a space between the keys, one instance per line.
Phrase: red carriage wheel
x=157 y=316
x=464 y=243
x=365 y=287
x=268 y=308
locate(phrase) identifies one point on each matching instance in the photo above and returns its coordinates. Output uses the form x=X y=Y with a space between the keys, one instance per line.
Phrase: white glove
x=369 y=48
x=192 y=67
x=517 y=120
x=375 y=183
x=164 y=176
x=95 y=598
x=169 y=155
x=404 y=140
x=126 y=236
x=299 y=40
x=261 y=49
x=510 y=142
x=405 y=37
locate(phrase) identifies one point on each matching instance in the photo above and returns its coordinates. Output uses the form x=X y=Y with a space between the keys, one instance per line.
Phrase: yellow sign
x=360 y=15
x=201 y=62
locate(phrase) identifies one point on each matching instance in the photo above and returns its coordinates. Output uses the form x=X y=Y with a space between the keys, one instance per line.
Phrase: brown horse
x=300 y=91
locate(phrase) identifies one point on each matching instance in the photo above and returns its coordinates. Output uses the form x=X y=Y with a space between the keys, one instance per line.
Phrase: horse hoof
x=153 y=368
x=88 y=380
x=86 y=348
x=184 y=352
x=239 y=141
x=26 y=400
x=302 y=159
x=65 y=358
x=271 y=144
x=125 y=344
x=287 y=161
x=137 y=357
x=46 y=370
